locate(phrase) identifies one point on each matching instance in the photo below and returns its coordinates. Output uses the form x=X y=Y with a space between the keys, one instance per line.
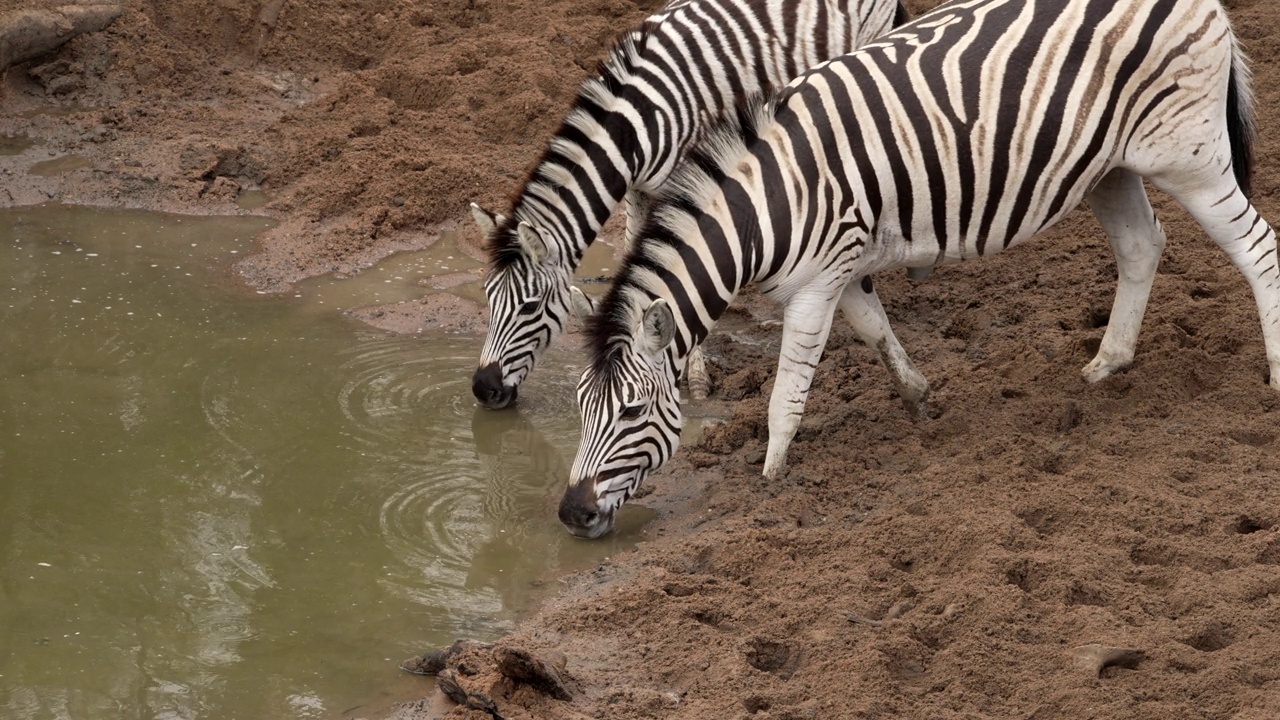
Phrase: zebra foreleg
x=861 y=307
x=1121 y=206
x=805 y=327
x=695 y=373
x=1215 y=200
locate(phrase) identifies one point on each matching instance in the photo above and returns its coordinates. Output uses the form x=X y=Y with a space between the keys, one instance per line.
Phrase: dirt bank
x=939 y=569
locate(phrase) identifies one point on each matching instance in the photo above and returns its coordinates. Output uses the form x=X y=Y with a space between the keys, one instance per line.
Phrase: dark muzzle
x=487 y=386
x=580 y=512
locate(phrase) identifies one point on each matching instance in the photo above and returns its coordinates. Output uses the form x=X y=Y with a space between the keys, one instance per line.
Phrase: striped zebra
x=961 y=134
x=629 y=127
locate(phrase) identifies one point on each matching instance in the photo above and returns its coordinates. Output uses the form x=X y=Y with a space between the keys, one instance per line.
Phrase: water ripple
x=390 y=380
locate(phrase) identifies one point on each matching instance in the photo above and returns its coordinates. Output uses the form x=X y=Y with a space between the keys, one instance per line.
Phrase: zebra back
x=627 y=130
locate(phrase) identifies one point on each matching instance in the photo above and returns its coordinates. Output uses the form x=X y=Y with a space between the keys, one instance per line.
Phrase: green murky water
x=215 y=504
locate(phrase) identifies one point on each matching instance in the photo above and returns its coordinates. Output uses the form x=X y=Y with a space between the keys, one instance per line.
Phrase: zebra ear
x=583 y=305
x=658 y=327
x=488 y=221
x=532 y=243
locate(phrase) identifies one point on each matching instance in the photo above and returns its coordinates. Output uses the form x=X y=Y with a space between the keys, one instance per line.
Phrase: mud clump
x=485 y=676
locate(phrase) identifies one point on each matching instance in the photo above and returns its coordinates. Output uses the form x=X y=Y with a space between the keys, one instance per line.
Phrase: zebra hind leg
x=861 y=307
x=1216 y=201
x=1120 y=203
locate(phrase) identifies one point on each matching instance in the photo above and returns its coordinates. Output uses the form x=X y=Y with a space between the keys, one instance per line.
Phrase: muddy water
x=221 y=505
x=14 y=144
x=59 y=165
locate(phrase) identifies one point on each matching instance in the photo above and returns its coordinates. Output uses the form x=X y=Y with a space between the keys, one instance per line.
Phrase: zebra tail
x=1240 y=120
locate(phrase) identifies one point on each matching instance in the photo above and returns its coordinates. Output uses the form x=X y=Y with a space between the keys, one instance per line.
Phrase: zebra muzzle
x=580 y=511
x=487 y=386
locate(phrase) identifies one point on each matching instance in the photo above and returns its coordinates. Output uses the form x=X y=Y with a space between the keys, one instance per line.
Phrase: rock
x=433 y=662
x=28 y=34
x=546 y=675
x=448 y=683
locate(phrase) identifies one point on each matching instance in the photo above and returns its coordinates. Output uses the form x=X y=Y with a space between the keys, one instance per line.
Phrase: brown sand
x=974 y=551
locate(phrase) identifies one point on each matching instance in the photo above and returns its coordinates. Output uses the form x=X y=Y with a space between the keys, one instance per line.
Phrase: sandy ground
x=946 y=568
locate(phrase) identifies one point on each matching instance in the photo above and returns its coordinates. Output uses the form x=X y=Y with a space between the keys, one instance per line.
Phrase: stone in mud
x=433 y=662
x=546 y=674
x=29 y=34
x=449 y=684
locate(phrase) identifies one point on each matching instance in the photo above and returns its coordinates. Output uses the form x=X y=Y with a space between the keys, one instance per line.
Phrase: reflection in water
x=218 y=505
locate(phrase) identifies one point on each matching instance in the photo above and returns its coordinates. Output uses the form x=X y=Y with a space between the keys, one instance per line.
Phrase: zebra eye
x=631 y=412
x=530 y=307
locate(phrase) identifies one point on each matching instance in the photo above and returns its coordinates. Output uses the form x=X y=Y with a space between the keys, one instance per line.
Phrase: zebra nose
x=581 y=514
x=487 y=386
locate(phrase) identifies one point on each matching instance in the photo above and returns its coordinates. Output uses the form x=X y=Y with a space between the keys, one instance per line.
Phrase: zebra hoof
x=918 y=410
x=1101 y=368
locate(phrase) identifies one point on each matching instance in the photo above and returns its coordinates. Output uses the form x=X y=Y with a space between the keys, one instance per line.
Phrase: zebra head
x=631 y=422
x=528 y=291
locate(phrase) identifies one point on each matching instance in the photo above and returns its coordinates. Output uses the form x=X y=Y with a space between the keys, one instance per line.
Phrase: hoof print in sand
x=773 y=657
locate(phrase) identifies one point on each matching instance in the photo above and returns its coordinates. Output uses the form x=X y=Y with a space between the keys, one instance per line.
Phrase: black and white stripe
x=627 y=131
x=959 y=135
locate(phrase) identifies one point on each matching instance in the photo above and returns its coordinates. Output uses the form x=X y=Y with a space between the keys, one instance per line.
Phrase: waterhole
x=217 y=504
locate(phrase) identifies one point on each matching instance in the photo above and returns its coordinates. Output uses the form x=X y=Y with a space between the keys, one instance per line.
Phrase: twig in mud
x=898 y=609
x=1094 y=657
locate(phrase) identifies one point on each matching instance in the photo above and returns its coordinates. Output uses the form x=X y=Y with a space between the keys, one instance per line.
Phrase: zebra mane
x=613 y=73
x=646 y=269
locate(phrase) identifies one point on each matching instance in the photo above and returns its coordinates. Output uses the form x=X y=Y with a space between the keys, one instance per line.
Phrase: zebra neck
x=586 y=170
x=696 y=314
x=564 y=211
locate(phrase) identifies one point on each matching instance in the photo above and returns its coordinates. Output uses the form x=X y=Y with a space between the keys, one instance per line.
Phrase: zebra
x=627 y=130
x=962 y=133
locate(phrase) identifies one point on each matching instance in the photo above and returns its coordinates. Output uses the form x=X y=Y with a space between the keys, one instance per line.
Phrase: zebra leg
x=805 y=326
x=861 y=307
x=1120 y=203
x=1216 y=201
x=695 y=373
